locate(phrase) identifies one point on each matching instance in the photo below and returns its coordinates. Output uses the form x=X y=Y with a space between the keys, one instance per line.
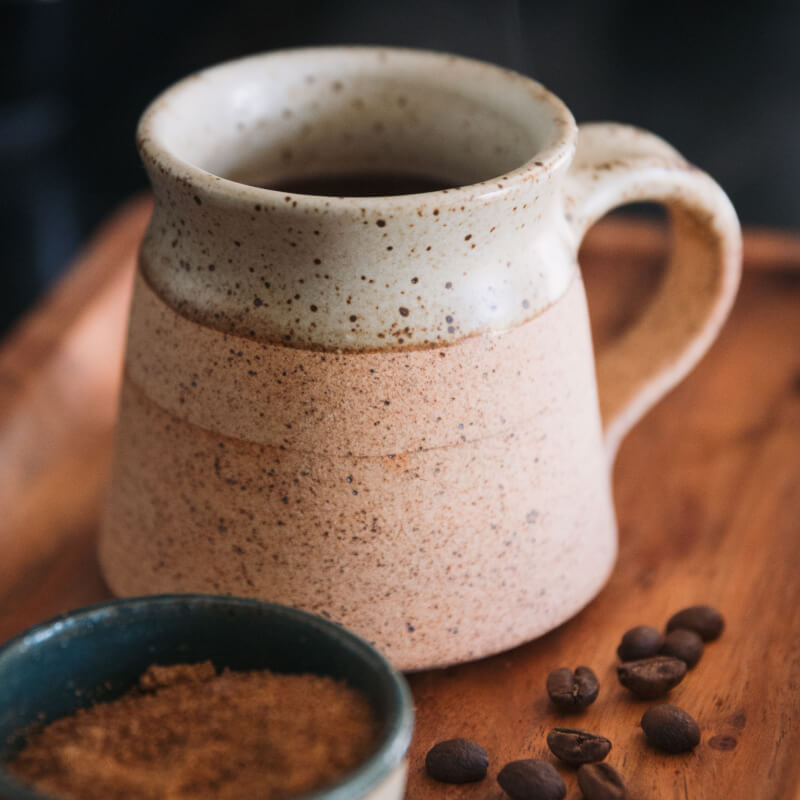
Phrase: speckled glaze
x=384 y=410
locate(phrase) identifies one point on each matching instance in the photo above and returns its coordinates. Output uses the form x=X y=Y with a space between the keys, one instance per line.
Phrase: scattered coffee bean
x=703 y=620
x=683 y=644
x=601 y=782
x=640 y=642
x=651 y=677
x=457 y=761
x=531 y=779
x=670 y=729
x=576 y=746
x=570 y=690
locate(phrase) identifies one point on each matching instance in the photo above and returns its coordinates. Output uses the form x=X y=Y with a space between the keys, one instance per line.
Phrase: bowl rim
x=359 y=783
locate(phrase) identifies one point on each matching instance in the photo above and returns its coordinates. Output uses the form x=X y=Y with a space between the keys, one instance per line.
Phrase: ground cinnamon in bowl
x=186 y=732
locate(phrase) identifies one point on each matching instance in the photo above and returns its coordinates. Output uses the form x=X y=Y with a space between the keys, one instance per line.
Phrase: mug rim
x=555 y=152
x=365 y=778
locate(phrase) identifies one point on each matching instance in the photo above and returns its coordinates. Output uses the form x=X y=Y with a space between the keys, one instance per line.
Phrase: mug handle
x=617 y=164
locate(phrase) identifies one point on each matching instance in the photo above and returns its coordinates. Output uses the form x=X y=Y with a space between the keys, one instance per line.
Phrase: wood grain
x=59 y=376
x=707 y=490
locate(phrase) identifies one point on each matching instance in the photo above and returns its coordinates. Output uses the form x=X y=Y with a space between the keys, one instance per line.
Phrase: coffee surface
x=360 y=184
x=185 y=732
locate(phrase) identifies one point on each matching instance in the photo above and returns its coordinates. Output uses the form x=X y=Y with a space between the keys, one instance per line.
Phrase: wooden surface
x=708 y=498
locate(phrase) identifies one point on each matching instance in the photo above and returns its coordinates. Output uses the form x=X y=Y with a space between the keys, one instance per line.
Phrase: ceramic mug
x=384 y=409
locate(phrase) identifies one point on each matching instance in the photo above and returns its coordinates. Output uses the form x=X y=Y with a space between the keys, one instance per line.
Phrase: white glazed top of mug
x=356 y=273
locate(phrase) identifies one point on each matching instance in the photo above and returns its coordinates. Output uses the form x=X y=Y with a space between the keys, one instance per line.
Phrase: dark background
x=719 y=81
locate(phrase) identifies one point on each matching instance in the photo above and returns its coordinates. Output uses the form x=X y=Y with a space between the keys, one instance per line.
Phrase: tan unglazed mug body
x=385 y=410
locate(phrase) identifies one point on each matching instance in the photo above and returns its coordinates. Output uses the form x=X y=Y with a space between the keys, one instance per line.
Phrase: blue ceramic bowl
x=97 y=653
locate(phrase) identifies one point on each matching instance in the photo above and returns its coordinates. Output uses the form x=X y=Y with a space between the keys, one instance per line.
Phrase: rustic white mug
x=384 y=409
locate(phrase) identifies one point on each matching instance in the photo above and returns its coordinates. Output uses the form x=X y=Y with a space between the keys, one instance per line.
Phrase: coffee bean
x=570 y=690
x=531 y=779
x=651 y=677
x=683 y=644
x=703 y=620
x=601 y=782
x=457 y=761
x=640 y=642
x=576 y=746
x=670 y=728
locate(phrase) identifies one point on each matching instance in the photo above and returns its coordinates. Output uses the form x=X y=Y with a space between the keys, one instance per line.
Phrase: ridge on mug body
x=385 y=409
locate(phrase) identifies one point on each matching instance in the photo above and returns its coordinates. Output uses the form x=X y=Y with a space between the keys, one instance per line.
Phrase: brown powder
x=186 y=732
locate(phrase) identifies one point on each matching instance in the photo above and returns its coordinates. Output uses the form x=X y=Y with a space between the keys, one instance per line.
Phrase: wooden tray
x=707 y=490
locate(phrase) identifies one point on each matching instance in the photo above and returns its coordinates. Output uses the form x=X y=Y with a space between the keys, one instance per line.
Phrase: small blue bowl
x=97 y=653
